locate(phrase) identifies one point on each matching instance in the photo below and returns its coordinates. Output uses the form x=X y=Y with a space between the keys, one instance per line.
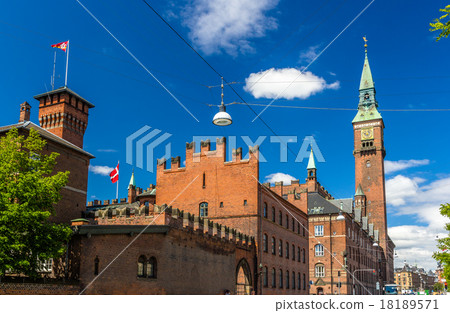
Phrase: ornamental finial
x=365 y=42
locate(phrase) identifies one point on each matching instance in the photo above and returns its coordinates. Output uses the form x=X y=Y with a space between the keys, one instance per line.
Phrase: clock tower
x=369 y=153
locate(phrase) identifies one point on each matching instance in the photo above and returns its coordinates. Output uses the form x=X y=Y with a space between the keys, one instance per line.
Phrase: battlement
x=165 y=215
x=220 y=155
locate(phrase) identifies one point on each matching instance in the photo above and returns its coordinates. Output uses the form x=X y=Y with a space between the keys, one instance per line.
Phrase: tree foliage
x=438 y=286
x=442 y=24
x=28 y=191
x=443 y=257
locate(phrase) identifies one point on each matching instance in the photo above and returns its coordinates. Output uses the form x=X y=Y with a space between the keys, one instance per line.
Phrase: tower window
x=221 y=204
x=204 y=180
x=245 y=202
x=368 y=164
x=203 y=209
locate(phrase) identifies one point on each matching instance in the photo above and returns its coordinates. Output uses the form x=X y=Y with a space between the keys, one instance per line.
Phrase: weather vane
x=365 y=42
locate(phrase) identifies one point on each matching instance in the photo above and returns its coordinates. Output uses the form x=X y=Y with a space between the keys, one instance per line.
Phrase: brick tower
x=65 y=114
x=369 y=153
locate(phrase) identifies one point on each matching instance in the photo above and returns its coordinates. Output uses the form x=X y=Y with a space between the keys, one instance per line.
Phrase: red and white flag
x=114 y=175
x=61 y=45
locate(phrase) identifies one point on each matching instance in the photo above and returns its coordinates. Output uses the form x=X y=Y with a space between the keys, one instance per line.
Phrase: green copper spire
x=132 y=181
x=366 y=76
x=311 y=163
x=359 y=191
x=367 y=107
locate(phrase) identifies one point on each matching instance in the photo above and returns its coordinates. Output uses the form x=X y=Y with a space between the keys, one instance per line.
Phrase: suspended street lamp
x=222 y=118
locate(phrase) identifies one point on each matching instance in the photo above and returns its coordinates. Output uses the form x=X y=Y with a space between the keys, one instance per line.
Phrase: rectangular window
x=45 y=266
x=318 y=230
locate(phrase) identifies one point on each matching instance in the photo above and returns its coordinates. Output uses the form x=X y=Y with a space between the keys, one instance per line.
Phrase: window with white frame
x=318 y=249
x=318 y=230
x=320 y=270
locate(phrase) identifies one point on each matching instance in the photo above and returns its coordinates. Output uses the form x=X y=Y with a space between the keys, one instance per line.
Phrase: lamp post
x=359 y=270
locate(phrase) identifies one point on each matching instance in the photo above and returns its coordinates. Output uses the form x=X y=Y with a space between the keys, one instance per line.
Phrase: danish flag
x=114 y=175
x=61 y=45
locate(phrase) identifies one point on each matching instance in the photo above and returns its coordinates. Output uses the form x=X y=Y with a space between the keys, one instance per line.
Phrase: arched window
x=287 y=221
x=293 y=252
x=318 y=250
x=265 y=242
x=319 y=270
x=265 y=278
x=273 y=245
x=141 y=264
x=151 y=268
x=265 y=210
x=304 y=281
x=273 y=214
x=287 y=279
x=280 y=248
x=293 y=224
x=299 y=281
x=293 y=280
x=96 y=263
x=203 y=209
x=287 y=250
x=280 y=218
x=281 y=278
x=298 y=228
x=303 y=256
x=274 y=278
x=298 y=254
x=146 y=268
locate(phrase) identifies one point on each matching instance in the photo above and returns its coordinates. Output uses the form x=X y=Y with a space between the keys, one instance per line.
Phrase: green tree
x=28 y=191
x=442 y=24
x=438 y=286
x=443 y=257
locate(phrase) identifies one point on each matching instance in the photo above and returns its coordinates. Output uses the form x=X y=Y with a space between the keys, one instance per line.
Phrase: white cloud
x=227 y=25
x=277 y=177
x=277 y=82
x=421 y=199
x=101 y=170
x=309 y=54
x=395 y=166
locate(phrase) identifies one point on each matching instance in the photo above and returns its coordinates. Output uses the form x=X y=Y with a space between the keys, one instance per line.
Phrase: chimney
x=24 y=112
x=65 y=114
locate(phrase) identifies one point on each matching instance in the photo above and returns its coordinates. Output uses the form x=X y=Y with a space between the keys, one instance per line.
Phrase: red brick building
x=63 y=118
x=229 y=192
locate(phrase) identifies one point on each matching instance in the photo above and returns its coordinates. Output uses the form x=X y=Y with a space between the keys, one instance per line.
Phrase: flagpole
x=67 y=61
x=117 y=187
x=53 y=77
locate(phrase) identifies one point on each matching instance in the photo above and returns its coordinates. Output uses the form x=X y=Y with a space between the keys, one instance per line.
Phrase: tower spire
x=367 y=107
x=132 y=181
x=311 y=162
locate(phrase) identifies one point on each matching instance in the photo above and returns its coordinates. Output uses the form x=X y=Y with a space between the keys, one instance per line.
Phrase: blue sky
x=241 y=38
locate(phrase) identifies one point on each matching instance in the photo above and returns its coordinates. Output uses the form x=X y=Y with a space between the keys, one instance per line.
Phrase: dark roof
x=65 y=88
x=147 y=193
x=134 y=205
x=46 y=134
x=319 y=205
x=122 y=229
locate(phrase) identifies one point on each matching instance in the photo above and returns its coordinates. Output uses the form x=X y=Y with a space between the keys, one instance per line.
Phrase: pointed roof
x=366 y=76
x=359 y=191
x=311 y=163
x=132 y=181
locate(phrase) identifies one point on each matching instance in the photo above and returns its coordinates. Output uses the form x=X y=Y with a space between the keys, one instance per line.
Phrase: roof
x=45 y=134
x=319 y=205
x=66 y=89
x=367 y=114
x=359 y=191
x=134 y=205
x=132 y=181
x=311 y=163
x=147 y=193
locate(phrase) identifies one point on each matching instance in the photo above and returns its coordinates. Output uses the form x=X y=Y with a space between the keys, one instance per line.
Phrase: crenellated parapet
x=219 y=154
x=167 y=215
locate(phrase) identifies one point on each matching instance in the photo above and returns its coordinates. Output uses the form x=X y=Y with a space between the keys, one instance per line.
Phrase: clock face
x=366 y=133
